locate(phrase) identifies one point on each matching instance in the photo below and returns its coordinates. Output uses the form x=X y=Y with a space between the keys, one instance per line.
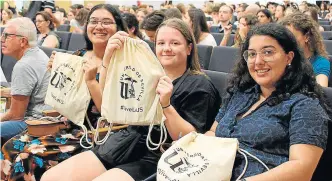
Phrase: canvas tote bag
x=67 y=91
x=129 y=96
x=199 y=157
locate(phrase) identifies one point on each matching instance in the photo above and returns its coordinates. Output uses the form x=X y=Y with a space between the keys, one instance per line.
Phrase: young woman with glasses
x=274 y=108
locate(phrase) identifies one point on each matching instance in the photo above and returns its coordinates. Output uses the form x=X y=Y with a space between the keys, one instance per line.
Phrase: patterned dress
x=26 y=157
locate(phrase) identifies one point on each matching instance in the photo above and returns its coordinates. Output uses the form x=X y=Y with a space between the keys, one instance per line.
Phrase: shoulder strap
x=177 y=85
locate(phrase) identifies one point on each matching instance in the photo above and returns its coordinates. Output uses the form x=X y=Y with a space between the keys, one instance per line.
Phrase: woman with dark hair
x=151 y=22
x=272 y=107
x=280 y=12
x=310 y=40
x=312 y=12
x=45 y=26
x=191 y=107
x=27 y=157
x=264 y=16
x=195 y=18
x=133 y=25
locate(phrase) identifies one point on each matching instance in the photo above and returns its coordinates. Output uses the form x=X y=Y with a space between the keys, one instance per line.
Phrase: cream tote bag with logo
x=67 y=91
x=199 y=157
x=129 y=96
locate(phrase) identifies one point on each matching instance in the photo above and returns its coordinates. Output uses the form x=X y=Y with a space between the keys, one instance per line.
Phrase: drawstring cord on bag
x=163 y=134
x=96 y=136
x=85 y=134
x=244 y=152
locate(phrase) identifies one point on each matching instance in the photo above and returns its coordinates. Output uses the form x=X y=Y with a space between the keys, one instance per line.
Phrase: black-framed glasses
x=4 y=36
x=106 y=23
x=266 y=54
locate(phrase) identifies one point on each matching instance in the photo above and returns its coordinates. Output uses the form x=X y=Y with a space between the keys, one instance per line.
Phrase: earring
x=289 y=64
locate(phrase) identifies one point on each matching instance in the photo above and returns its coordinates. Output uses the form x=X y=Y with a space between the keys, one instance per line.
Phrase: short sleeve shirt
x=320 y=65
x=30 y=78
x=270 y=130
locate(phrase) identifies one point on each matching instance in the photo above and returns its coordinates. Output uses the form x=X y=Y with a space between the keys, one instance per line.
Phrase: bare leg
x=114 y=174
x=82 y=167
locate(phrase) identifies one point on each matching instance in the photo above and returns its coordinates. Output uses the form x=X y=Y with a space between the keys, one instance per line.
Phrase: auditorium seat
x=324 y=169
x=204 y=55
x=7 y=65
x=327 y=35
x=214 y=29
x=1 y=30
x=223 y=59
x=324 y=23
x=63 y=28
x=49 y=51
x=76 y=42
x=218 y=37
x=328 y=46
x=219 y=80
x=65 y=38
x=326 y=27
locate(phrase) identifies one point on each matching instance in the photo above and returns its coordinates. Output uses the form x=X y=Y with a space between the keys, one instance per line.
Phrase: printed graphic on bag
x=63 y=79
x=181 y=162
x=132 y=87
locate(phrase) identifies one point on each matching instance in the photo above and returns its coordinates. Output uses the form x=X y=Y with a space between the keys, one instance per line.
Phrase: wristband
x=102 y=64
x=166 y=106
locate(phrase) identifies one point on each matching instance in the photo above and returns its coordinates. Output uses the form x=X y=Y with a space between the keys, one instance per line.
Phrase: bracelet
x=166 y=106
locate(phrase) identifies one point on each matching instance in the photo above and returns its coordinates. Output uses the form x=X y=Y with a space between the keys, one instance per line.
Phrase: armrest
x=51 y=113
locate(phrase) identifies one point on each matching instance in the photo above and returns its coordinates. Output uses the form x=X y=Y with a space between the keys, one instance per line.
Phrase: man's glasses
x=4 y=36
x=106 y=23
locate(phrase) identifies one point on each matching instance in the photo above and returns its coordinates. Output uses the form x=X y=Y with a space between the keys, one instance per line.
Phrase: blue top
x=320 y=65
x=270 y=130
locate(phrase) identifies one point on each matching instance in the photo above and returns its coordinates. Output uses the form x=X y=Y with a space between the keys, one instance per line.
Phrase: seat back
x=76 y=42
x=219 y=80
x=219 y=36
x=326 y=27
x=324 y=23
x=214 y=29
x=327 y=35
x=65 y=38
x=204 y=55
x=324 y=167
x=63 y=27
x=7 y=65
x=48 y=51
x=223 y=59
x=328 y=46
x=1 y=29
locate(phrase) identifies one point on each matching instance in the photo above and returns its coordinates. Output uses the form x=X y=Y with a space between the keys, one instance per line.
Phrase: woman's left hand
x=90 y=69
x=164 y=89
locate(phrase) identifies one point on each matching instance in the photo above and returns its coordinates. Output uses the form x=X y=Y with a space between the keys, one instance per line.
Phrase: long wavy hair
x=308 y=27
x=297 y=78
x=183 y=28
x=120 y=25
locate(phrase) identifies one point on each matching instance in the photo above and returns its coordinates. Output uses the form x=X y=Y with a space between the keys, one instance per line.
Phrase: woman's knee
x=84 y=166
x=115 y=174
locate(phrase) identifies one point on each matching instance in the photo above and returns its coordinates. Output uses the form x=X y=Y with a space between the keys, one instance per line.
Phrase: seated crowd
x=274 y=102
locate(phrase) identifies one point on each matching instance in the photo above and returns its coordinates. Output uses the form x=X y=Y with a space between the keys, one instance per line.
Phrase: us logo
x=131 y=84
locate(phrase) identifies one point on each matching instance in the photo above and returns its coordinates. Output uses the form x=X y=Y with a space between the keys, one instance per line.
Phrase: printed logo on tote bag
x=132 y=87
x=190 y=164
x=63 y=79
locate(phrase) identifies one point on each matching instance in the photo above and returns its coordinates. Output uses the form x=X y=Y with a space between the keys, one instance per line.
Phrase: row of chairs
x=327 y=35
x=215 y=29
x=223 y=59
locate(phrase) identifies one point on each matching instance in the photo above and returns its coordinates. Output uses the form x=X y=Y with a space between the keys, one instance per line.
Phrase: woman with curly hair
x=274 y=108
x=310 y=40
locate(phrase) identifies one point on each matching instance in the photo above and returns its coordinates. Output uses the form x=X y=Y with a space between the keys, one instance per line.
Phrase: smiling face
x=140 y=16
x=4 y=15
x=172 y=48
x=99 y=34
x=266 y=74
x=279 y=12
